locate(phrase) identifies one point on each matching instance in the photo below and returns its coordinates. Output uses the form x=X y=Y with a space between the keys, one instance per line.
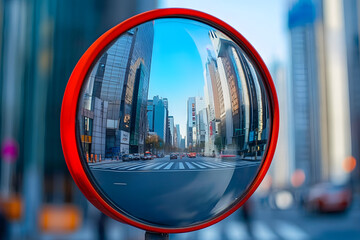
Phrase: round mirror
x=169 y=121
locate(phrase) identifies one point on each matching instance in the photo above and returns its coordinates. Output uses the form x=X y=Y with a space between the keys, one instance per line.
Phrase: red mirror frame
x=72 y=92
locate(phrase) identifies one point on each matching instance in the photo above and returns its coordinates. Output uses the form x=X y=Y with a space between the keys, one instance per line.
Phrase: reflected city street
x=174 y=122
x=199 y=182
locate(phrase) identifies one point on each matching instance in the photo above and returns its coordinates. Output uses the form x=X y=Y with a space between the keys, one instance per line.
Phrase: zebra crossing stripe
x=149 y=166
x=237 y=230
x=262 y=231
x=127 y=167
x=181 y=165
x=163 y=164
x=169 y=166
x=141 y=166
x=215 y=164
x=227 y=164
x=207 y=165
x=189 y=165
x=290 y=231
x=198 y=165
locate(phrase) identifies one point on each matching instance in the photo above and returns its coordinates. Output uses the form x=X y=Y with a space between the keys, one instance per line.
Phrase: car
x=148 y=156
x=173 y=156
x=126 y=157
x=327 y=197
x=192 y=155
x=136 y=156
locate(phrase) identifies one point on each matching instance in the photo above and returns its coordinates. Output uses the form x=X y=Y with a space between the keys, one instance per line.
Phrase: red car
x=326 y=197
x=192 y=155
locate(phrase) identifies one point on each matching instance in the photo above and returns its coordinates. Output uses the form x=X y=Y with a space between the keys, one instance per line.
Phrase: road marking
x=151 y=165
x=290 y=231
x=181 y=165
x=169 y=166
x=236 y=230
x=163 y=164
x=120 y=183
x=262 y=231
x=128 y=167
x=210 y=233
x=206 y=164
x=198 y=165
x=189 y=165
x=141 y=166
x=216 y=165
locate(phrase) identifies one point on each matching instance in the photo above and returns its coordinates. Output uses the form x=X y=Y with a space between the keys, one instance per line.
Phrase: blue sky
x=177 y=67
x=262 y=22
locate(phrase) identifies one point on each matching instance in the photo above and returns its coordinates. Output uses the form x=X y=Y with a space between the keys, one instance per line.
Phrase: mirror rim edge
x=73 y=89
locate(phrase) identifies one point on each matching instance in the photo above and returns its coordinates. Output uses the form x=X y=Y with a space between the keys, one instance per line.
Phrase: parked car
x=327 y=197
x=136 y=156
x=173 y=156
x=126 y=157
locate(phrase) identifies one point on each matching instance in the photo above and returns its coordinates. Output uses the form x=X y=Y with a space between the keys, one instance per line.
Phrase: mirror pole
x=156 y=236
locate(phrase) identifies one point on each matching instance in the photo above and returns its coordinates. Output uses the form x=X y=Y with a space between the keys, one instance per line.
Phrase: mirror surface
x=173 y=123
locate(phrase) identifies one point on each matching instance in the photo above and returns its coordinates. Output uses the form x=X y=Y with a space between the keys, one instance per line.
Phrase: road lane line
x=169 y=166
x=120 y=183
x=290 y=231
x=189 y=165
x=262 y=231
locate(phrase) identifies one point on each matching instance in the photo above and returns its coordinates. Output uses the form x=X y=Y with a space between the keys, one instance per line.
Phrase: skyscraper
x=191 y=121
x=160 y=118
x=305 y=89
x=116 y=95
x=178 y=135
x=171 y=129
x=351 y=24
x=243 y=121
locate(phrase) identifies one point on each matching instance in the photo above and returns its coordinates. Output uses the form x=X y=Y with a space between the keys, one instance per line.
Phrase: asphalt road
x=174 y=192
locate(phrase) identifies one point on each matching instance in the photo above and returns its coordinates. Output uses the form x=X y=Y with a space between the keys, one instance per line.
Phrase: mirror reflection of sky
x=177 y=65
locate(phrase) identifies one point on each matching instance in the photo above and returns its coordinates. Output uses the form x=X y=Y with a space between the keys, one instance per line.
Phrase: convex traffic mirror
x=169 y=121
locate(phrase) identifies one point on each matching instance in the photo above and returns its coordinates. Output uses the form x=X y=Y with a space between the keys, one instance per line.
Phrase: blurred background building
x=318 y=88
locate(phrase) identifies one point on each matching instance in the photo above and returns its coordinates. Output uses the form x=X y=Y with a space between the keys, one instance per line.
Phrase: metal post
x=156 y=236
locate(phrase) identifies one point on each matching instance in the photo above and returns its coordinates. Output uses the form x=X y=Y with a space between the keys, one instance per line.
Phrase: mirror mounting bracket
x=156 y=236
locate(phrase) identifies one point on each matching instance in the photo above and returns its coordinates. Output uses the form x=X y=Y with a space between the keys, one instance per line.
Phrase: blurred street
x=265 y=224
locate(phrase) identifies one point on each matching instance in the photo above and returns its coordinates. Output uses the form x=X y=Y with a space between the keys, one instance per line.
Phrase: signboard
x=251 y=136
x=85 y=139
x=125 y=137
x=124 y=148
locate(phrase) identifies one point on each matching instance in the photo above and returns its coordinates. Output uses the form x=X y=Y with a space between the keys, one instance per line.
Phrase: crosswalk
x=236 y=230
x=163 y=165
